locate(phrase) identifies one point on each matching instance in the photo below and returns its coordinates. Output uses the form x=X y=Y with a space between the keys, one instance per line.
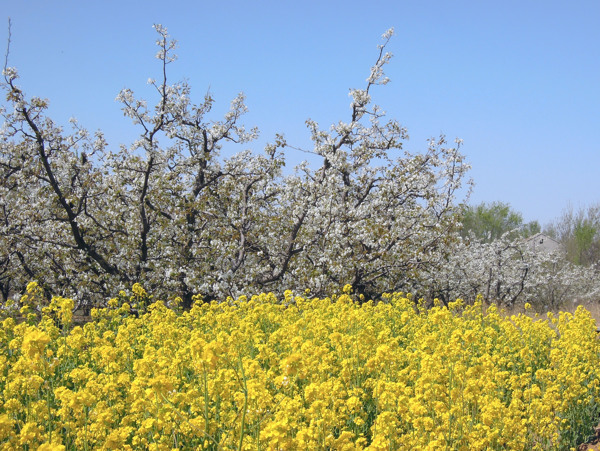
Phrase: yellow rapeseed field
x=294 y=374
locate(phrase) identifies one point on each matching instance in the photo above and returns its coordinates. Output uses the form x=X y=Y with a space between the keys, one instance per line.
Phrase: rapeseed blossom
x=307 y=373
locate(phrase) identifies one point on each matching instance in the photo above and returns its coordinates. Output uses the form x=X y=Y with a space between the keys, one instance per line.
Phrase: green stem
x=245 y=403
x=206 y=430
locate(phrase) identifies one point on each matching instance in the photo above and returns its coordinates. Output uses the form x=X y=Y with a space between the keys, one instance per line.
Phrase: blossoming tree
x=85 y=219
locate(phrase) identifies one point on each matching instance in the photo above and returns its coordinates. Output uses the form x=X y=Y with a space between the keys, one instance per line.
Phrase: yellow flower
x=30 y=433
x=51 y=447
x=138 y=290
x=6 y=427
x=310 y=374
x=35 y=342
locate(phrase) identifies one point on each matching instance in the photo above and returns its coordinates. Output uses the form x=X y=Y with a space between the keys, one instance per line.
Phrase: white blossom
x=169 y=212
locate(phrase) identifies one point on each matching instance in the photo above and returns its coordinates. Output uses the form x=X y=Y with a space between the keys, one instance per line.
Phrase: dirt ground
x=593 y=444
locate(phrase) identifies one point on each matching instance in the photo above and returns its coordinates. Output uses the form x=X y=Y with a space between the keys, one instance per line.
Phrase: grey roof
x=542 y=241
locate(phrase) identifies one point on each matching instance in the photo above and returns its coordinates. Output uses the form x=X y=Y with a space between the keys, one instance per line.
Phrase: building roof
x=541 y=241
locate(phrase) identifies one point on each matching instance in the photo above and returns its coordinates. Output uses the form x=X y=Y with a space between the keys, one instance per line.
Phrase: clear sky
x=518 y=81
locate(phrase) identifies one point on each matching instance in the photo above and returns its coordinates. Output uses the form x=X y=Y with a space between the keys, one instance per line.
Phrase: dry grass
x=592 y=307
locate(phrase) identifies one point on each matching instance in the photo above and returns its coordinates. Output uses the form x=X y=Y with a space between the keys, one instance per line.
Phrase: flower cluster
x=305 y=373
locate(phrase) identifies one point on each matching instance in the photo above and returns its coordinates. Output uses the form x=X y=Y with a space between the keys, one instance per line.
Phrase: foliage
x=305 y=373
x=86 y=220
x=579 y=233
x=489 y=222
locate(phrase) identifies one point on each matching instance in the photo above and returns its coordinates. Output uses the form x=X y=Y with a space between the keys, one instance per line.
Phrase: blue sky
x=518 y=81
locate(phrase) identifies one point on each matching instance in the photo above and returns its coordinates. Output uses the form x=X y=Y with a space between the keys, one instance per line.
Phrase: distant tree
x=506 y=271
x=579 y=232
x=584 y=235
x=530 y=228
x=490 y=221
x=493 y=260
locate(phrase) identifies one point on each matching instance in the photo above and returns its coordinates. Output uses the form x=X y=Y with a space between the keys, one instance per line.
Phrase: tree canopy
x=489 y=221
x=579 y=231
x=85 y=218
